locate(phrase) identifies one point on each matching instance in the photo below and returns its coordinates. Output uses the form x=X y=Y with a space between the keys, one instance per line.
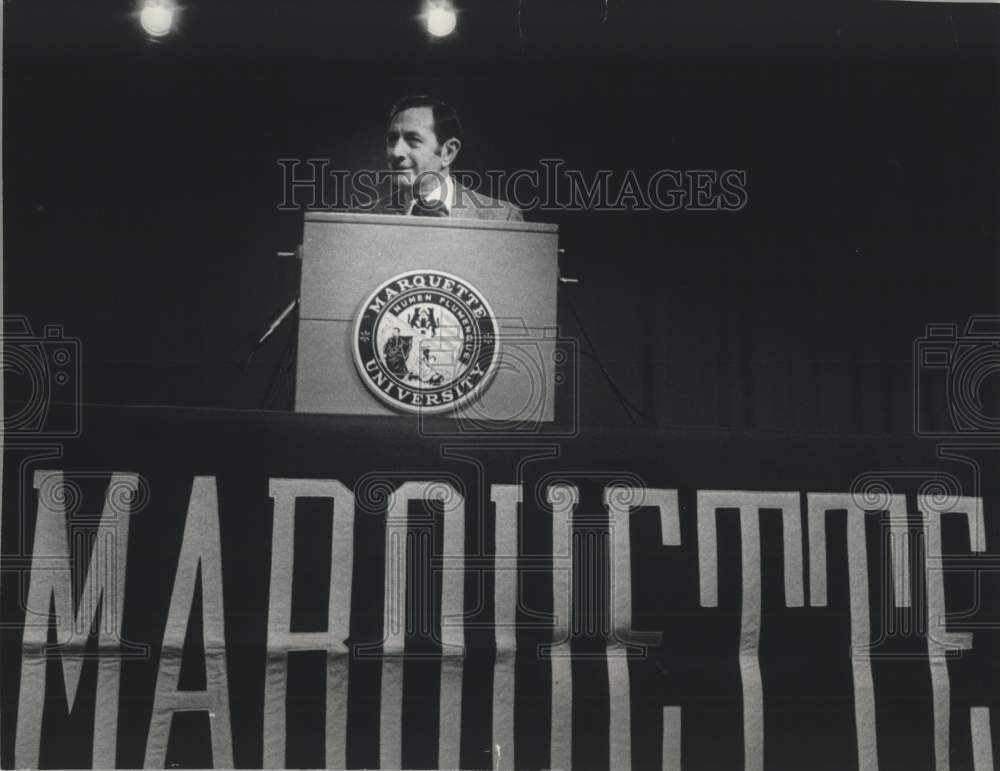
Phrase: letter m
x=98 y=610
x=594 y=196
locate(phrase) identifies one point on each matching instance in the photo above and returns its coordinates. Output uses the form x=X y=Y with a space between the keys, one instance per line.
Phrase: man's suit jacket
x=468 y=204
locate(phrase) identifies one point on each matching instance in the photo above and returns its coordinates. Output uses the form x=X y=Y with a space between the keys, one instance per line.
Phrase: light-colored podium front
x=510 y=268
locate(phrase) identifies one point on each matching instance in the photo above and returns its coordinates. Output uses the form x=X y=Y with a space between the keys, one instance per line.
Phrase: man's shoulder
x=475 y=205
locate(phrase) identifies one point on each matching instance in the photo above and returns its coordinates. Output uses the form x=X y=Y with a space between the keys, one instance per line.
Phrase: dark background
x=141 y=186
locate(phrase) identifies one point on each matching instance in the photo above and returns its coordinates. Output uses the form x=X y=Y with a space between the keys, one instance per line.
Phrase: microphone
x=275 y=324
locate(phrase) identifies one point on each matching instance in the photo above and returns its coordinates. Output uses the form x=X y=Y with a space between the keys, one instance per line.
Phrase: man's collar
x=436 y=195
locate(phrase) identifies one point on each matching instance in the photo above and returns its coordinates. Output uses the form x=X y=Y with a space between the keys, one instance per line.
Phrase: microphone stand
x=275 y=324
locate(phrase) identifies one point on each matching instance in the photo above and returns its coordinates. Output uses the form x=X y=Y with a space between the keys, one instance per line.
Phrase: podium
x=447 y=316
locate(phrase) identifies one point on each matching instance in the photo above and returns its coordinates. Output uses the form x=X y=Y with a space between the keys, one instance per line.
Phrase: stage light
x=440 y=18
x=157 y=17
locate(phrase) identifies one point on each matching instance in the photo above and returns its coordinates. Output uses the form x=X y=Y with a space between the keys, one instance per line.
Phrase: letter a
x=200 y=550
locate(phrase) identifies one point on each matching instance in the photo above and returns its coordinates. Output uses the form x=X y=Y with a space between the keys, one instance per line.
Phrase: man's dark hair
x=446 y=123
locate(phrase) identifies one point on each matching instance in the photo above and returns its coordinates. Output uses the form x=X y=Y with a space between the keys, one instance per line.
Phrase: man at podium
x=423 y=137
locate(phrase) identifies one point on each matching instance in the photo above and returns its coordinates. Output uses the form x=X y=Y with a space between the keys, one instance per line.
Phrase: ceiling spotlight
x=157 y=17
x=440 y=18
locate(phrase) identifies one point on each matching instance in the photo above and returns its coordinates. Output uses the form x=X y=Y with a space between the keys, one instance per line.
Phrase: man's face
x=412 y=148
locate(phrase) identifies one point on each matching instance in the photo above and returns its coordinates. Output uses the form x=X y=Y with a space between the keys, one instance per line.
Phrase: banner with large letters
x=194 y=588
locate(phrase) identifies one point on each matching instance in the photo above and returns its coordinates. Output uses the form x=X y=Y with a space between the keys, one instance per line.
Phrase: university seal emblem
x=426 y=341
